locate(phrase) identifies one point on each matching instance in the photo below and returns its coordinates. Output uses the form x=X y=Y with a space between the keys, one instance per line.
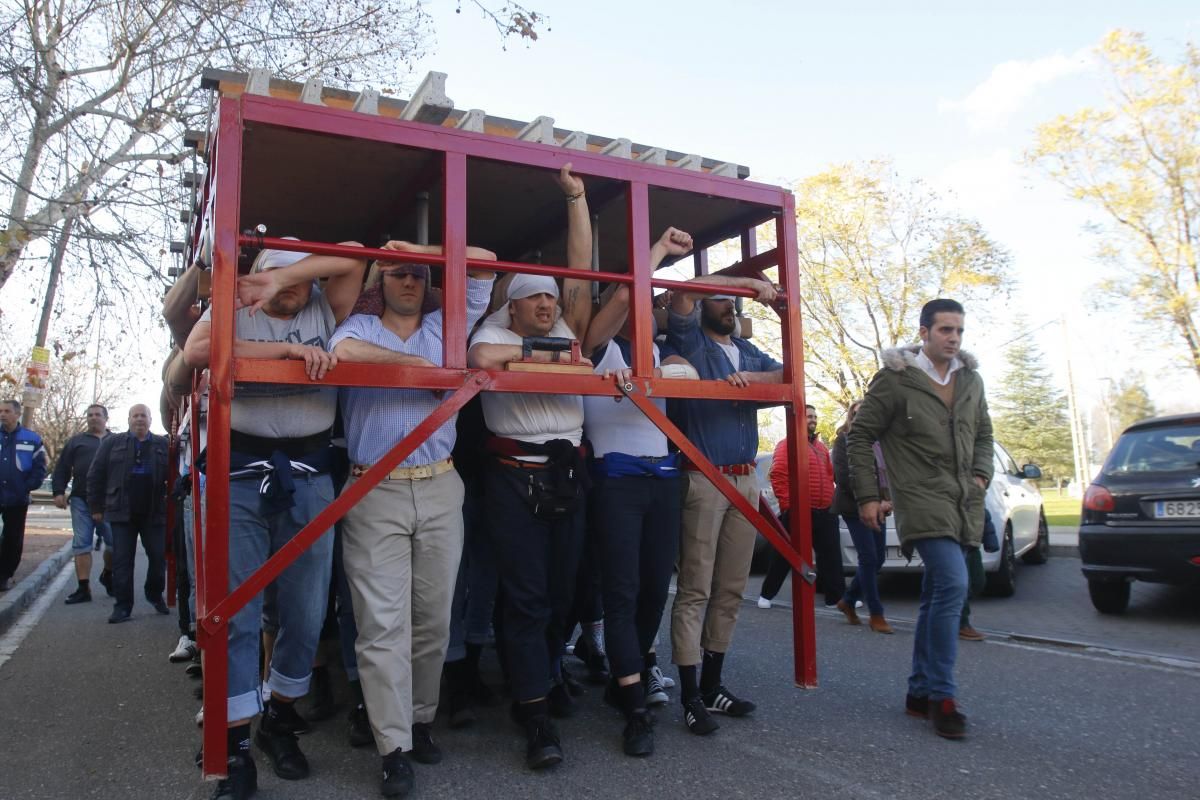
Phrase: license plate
x=1177 y=509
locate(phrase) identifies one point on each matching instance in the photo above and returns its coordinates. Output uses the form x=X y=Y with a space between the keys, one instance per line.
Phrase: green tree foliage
x=1137 y=161
x=873 y=249
x=1030 y=414
x=1129 y=402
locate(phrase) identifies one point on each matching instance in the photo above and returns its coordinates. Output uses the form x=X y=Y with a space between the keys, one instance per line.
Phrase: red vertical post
x=201 y=609
x=228 y=180
x=640 y=293
x=799 y=519
x=454 y=274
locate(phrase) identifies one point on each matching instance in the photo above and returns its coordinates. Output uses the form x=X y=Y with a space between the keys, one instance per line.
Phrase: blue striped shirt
x=376 y=419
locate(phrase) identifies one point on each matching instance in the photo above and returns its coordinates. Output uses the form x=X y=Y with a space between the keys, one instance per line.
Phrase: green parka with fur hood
x=933 y=452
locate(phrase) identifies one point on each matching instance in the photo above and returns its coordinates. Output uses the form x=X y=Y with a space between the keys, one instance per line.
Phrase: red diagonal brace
x=237 y=599
x=773 y=533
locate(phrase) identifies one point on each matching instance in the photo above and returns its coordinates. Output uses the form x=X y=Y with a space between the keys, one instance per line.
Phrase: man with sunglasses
x=127 y=487
x=402 y=542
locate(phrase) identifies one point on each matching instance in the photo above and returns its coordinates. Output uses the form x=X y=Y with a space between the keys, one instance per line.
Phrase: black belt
x=264 y=446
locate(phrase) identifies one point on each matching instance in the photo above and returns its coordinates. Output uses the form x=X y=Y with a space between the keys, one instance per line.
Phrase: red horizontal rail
x=415 y=135
x=347 y=373
x=343 y=250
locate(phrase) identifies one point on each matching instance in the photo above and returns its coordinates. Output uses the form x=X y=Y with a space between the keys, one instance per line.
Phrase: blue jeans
x=301 y=590
x=935 y=646
x=85 y=529
x=871 y=549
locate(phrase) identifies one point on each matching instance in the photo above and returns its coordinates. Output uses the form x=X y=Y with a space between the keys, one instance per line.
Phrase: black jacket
x=74 y=461
x=108 y=479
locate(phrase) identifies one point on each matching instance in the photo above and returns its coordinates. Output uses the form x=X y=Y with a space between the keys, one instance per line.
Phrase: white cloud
x=990 y=104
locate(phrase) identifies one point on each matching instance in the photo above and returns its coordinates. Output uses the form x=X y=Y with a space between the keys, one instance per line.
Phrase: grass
x=1060 y=510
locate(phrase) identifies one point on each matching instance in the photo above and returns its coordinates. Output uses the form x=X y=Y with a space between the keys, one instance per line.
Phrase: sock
x=650 y=660
x=710 y=674
x=687 y=683
x=238 y=740
x=596 y=633
x=528 y=711
x=632 y=698
x=83 y=584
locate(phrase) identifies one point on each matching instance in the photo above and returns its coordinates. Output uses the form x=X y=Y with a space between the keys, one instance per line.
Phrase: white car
x=1016 y=508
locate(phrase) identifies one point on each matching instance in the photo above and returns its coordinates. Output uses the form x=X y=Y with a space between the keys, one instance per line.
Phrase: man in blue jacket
x=22 y=469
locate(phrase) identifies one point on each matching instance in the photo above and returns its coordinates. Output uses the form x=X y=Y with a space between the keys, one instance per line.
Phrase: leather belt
x=419 y=472
x=727 y=469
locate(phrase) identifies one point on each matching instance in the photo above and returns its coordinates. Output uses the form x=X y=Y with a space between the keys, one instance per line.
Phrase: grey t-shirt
x=284 y=410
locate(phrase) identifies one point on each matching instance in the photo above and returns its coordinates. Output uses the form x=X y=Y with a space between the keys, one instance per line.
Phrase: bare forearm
x=367 y=353
x=764 y=377
x=492 y=356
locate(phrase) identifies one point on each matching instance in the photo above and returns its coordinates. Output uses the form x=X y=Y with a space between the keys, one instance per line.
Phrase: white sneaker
x=200 y=717
x=858 y=604
x=667 y=683
x=184 y=651
x=763 y=602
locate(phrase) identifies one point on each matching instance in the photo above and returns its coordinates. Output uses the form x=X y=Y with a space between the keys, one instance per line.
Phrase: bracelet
x=571 y=198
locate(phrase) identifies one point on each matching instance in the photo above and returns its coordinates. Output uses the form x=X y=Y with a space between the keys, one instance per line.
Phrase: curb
x=21 y=596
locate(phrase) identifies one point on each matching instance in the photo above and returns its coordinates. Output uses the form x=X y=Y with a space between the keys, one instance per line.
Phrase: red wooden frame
x=216 y=602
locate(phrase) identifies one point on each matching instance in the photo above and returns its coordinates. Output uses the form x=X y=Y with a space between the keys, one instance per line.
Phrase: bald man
x=127 y=488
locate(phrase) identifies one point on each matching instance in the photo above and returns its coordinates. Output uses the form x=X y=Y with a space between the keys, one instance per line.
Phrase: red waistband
x=727 y=469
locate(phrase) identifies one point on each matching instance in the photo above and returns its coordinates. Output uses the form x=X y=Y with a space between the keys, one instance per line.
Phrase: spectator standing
x=127 y=487
x=22 y=469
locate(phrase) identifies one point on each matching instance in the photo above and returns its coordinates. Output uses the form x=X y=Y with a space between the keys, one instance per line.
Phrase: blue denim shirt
x=725 y=431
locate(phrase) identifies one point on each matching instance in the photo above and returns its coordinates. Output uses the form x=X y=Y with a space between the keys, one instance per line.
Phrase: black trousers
x=827 y=547
x=154 y=541
x=538 y=562
x=183 y=583
x=637 y=521
x=12 y=541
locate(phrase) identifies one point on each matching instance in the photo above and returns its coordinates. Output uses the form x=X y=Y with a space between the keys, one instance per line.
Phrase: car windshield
x=1173 y=449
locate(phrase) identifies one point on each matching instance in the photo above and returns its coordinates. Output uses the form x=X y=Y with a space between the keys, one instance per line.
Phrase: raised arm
x=475 y=253
x=345 y=281
x=179 y=309
x=577 y=294
x=684 y=302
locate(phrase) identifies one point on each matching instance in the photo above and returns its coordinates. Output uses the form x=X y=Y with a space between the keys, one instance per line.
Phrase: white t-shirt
x=621 y=427
x=731 y=352
x=535 y=418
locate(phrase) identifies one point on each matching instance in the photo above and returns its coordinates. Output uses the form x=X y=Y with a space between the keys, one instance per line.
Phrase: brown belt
x=419 y=472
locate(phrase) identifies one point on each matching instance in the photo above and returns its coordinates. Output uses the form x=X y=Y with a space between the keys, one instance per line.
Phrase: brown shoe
x=970 y=634
x=848 y=610
x=878 y=624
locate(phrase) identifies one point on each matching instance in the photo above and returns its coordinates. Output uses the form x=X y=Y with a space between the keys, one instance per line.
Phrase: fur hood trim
x=899 y=359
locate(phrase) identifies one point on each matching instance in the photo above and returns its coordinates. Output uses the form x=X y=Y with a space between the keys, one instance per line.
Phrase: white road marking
x=26 y=622
x=1136 y=660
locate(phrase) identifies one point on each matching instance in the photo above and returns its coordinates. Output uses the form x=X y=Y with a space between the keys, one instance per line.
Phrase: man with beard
x=535 y=482
x=402 y=543
x=279 y=480
x=717 y=541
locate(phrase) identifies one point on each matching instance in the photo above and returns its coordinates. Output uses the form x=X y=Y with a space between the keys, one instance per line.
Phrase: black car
x=1141 y=515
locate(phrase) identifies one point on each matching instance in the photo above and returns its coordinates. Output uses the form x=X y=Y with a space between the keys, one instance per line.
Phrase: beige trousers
x=716 y=546
x=401 y=545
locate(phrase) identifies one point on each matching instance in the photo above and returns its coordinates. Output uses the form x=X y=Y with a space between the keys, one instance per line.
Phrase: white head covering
x=719 y=297
x=522 y=286
x=275 y=259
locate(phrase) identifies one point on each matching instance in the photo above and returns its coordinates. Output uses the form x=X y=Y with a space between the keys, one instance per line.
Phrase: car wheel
x=1003 y=582
x=1041 y=549
x=1109 y=597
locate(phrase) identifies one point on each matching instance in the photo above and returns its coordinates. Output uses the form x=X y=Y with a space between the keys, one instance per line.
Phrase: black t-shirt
x=141 y=477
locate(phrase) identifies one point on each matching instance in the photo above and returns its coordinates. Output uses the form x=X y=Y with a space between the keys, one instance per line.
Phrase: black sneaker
x=697 y=718
x=542 y=747
x=424 y=749
x=241 y=782
x=106 y=581
x=360 y=727
x=118 y=615
x=723 y=701
x=282 y=748
x=562 y=705
x=194 y=669
x=656 y=693
x=638 y=736
x=159 y=604
x=398 y=776
x=916 y=706
x=80 y=595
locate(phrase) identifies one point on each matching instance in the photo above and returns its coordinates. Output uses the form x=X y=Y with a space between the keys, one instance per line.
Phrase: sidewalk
x=46 y=550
